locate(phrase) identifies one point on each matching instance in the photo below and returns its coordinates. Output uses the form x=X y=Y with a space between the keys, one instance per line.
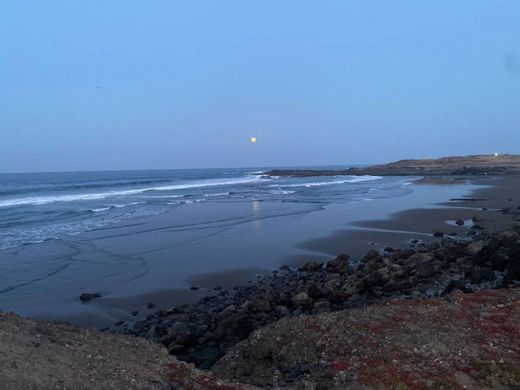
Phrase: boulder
x=477 y=217
x=459 y=222
x=456 y=285
x=321 y=307
x=512 y=274
x=311 y=266
x=314 y=291
x=259 y=305
x=425 y=270
x=178 y=333
x=86 y=297
x=338 y=264
x=475 y=247
x=301 y=300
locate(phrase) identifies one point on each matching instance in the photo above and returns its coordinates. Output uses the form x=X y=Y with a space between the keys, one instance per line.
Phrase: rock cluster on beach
x=202 y=333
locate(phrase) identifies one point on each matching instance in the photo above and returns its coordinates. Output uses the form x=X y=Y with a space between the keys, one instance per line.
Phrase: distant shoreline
x=458 y=165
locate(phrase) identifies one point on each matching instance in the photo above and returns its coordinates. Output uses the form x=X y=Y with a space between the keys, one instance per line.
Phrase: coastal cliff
x=468 y=165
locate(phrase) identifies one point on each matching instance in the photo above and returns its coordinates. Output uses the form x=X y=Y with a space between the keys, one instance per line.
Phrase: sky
x=132 y=84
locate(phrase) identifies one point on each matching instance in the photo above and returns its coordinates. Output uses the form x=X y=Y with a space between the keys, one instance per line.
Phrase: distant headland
x=495 y=164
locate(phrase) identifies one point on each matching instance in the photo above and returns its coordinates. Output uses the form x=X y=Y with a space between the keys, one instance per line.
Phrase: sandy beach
x=405 y=228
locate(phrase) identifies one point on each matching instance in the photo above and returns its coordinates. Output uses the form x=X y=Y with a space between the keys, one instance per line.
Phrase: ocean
x=135 y=235
x=45 y=206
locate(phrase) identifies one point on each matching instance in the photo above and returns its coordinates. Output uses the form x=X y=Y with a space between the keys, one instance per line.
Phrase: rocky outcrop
x=462 y=341
x=51 y=355
x=204 y=332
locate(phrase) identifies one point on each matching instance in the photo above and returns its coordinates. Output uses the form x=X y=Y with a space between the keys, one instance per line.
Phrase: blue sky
x=93 y=85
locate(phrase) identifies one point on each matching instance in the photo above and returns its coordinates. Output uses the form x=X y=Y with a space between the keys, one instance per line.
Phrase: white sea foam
x=351 y=179
x=116 y=206
x=282 y=192
x=103 y=195
x=217 y=194
x=101 y=209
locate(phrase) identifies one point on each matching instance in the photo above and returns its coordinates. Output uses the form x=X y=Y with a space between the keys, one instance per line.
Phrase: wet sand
x=494 y=195
x=160 y=264
x=395 y=229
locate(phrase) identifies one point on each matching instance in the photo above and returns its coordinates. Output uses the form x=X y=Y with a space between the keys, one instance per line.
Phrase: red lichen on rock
x=462 y=341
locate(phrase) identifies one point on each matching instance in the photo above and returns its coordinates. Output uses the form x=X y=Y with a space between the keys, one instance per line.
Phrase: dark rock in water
x=194 y=288
x=135 y=313
x=372 y=254
x=119 y=323
x=150 y=305
x=477 y=217
x=311 y=266
x=285 y=267
x=389 y=249
x=86 y=297
x=459 y=222
x=456 y=285
x=438 y=234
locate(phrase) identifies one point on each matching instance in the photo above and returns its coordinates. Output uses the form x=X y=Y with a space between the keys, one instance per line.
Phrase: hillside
x=468 y=165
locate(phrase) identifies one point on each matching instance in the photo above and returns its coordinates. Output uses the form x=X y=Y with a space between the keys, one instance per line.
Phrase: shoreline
x=358 y=242
x=420 y=223
x=245 y=336
x=201 y=333
x=355 y=239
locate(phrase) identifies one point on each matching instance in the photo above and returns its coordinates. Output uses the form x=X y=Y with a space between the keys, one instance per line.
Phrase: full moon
x=253 y=139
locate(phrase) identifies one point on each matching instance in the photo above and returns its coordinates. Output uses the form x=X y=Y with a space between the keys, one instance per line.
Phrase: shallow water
x=128 y=233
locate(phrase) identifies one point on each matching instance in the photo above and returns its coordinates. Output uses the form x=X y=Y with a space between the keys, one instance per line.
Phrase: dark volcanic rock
x=201 y=332
x=338 y=264
x=86 y=297
x=311 y=266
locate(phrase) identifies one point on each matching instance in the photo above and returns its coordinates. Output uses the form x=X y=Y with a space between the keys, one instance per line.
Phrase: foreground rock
x=202 y=333
x=468 y=165
x=49 y=355
x=463 y=341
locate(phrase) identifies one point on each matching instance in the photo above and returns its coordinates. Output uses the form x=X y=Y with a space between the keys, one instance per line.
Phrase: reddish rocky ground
x=51 y=355
x=463 y=341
